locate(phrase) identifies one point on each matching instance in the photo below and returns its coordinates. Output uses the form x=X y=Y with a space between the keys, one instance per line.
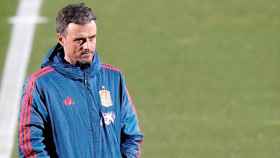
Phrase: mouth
x=86 y=56
x=86 y=53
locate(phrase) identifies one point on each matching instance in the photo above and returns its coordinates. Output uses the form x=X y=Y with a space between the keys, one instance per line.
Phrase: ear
x=60 y=39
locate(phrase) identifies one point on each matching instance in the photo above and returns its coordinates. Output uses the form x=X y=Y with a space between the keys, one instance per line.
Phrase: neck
x=83 y=66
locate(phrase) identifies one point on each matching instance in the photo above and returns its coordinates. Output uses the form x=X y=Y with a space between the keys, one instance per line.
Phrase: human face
x=79 y=42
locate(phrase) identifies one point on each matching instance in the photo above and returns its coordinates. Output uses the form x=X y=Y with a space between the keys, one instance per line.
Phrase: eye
x=80 y=41
x=91 y=38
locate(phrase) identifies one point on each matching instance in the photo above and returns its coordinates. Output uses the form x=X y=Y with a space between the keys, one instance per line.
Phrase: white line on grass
x=18 y=53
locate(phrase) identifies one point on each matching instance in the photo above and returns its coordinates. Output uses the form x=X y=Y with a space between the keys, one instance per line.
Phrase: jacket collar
x=55 y=58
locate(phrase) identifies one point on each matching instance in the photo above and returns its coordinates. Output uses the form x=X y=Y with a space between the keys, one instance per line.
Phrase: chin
x=84 y=62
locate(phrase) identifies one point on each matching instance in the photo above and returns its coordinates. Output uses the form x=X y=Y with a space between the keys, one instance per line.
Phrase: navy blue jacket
x=70 y=111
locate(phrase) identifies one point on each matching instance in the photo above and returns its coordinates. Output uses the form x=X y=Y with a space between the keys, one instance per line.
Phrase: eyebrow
x=92 y=36
x=81 y=38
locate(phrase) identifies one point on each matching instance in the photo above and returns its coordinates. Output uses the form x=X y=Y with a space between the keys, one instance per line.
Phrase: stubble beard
x=84 y=62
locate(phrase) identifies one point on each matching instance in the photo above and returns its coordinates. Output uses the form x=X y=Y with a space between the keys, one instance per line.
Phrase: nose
x=86 y=45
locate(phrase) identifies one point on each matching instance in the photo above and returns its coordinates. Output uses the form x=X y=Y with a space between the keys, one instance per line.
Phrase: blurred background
x=204 y=74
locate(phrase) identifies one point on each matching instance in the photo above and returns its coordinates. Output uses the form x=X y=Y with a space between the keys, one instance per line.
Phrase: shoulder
x=110 y=68
x=39 y=74
x=32 y=80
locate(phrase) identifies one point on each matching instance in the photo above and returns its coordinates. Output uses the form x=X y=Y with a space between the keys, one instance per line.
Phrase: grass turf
x=204 y=74
x=7 y=10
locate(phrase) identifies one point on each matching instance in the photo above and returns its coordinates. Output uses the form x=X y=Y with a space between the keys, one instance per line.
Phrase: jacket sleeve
x=32 y=118
x=131 y=136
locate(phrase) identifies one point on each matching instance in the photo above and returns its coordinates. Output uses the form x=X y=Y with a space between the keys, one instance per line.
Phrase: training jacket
x=70 y=111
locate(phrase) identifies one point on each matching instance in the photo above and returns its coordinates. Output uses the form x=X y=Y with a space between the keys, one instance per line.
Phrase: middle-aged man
x=74 y=106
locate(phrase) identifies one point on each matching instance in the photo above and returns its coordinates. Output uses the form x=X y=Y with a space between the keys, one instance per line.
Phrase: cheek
x=71 y=50
x=93 y=44
x=73 y=47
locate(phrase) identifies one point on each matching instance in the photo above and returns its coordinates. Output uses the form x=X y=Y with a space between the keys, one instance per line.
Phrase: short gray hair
x=73 y=13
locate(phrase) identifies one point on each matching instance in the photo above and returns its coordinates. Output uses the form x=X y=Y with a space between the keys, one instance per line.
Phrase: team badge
x=105 y=97
x=108 y=118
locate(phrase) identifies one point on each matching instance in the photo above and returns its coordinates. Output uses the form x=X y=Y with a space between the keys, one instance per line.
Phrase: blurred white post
x=19 y=50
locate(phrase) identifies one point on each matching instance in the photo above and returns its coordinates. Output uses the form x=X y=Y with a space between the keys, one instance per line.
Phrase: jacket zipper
x=90 y=94
x=92 y=102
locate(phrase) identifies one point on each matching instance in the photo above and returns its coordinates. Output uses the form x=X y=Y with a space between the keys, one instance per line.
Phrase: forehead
x=81 y=30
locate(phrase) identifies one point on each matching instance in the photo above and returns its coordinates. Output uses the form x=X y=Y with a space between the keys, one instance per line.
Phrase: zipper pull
x=85 y=79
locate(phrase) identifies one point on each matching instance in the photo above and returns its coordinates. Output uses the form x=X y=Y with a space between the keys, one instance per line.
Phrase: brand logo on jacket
x=105 y=97
x=68 y=101
x=108 y=117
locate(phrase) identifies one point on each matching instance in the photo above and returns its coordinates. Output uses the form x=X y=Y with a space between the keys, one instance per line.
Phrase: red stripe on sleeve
x=108 y=66
x=25 y=114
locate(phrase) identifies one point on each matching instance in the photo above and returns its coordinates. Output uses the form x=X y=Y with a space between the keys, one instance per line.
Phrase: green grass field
x=203 y=74
x=7 y=9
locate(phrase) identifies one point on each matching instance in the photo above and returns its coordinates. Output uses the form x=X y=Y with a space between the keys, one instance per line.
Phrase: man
x=74 y=106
